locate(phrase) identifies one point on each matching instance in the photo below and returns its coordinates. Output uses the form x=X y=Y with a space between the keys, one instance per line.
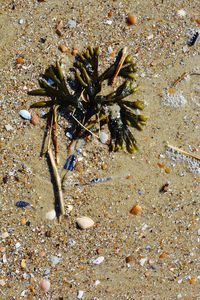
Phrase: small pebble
x=17 y=245
x=84 y=222
x=131 y=20
x=8 y=127
x=25 y=114
x=4 y=235
x=22 y=204
x=80 y=294
x=71 y=243
x=108 y=22
x=97 y=282
x=71 y=24
x=34 y=119
x=130 y=259
x=103 y=137
x=23 y=264
x=50 y=215
x=21 y=21
x=69 y=208
x=198 y=232
x=55 y=259
x=181 y=13
x=97 y=261
x=63 y=48
x=2 y=282
x=20 y=61
x=45 y=285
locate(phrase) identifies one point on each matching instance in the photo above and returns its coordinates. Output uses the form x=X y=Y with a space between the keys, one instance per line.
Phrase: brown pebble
x=104 y=166
x=74 y=51
x=163 y=255
x=59 y=27
x=136 y=210
x=167 y=170
x=34 y=119
x=130 y=259
x=198 y=21
x=110 y=13
x=63 y=48
x=131 y=20
x=48 y=233
x=100 y=251
x=20 y=61
x=164 y=188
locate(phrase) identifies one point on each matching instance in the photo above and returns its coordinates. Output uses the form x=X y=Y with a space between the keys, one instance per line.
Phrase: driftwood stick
x=55 y=132
x=58 y=182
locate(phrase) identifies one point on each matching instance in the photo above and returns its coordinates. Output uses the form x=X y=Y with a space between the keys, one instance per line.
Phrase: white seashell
x=103 y=137
x=25 y=114
x=181 y=13
x=142 y=261
x=45 y=285
x=50 y=215
x=97 y=260
x=84 y=222
x=80 y=294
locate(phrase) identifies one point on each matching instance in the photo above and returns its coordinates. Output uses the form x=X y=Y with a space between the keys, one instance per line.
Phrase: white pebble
x=71 y=243
x=181 y=13
x=198 y=232
x=55 y=259
x=142 y=261
x=17 y=246
x=84 y=222
x=97 y=261
x=108 y=22
x=21 y=21
x=103 y=137
x=45 y=285
x=97 y=282
x=25 y=114
x=4 y=235
x=80 y=294
x=69 y=208
x=50 y=215
x=71 y=24
x=2 y=282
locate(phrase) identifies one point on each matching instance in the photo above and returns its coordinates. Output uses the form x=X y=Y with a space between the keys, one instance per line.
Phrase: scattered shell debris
x=174 y=99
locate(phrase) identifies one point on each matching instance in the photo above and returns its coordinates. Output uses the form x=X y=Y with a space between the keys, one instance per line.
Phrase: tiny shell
x=45 y=285
x=50 y=215
x=84 y=222
x=103 y=137
x=97 y=261
x=136 y=209
x=25 y=114
x=80 y=294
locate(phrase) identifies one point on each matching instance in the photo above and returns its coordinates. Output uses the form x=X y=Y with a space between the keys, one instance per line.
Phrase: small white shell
x=181 y=13
x=97 y=260
x=50 y=215
x=25 y=114
x=84 y=222
x=103 y=137
x=80 y=294
x=69 y=208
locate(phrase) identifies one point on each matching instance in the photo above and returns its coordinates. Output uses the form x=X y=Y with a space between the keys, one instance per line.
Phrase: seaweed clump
x=84 y=97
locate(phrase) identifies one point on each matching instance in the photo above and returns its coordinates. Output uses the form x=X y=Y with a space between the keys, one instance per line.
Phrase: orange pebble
x=131 y=20
x=163 y=255
x=34 y=119
x=20 y=61
x=136 y=209
x=74 y=51
x=198 y=21
x=192 y=280
x=23 y=221
x=167 y=170
x=171 y=90
x=110 y=13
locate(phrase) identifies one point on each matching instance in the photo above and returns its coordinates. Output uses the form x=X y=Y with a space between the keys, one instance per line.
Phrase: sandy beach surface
x=151 y=255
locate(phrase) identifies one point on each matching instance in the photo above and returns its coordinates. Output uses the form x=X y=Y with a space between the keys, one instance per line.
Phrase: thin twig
x=121 y=61
x=50 y=133
x=184 y=152
x=84 y=127
x=179 y=79
x=55 y=132
x=58 y=182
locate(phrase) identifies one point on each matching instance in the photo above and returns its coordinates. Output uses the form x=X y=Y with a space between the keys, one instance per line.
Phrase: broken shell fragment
x=84 y=222
x=136 y=209
x=45 y=285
